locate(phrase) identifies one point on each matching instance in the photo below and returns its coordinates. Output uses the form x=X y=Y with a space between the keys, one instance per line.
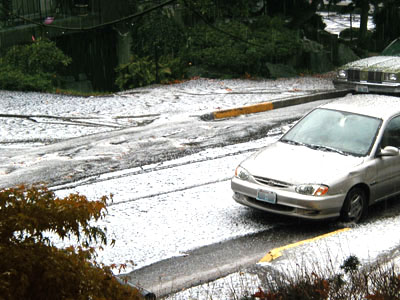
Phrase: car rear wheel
x=355 y=205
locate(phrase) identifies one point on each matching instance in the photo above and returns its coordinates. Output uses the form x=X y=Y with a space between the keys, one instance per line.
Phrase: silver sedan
x=335 y=162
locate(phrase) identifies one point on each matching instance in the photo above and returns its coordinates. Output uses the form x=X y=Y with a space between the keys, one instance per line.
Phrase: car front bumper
x=366 y=87
x=288 y=202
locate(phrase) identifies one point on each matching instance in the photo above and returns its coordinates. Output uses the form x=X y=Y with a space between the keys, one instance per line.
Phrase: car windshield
x=393 y=49
x=332 y=130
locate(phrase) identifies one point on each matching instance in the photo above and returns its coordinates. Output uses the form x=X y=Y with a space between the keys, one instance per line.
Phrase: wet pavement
x=58 y=139
x=169 y=170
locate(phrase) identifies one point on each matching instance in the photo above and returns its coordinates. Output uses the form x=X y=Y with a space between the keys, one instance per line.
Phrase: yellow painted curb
x=229 y=113
x=277 y=103
x=277 y=252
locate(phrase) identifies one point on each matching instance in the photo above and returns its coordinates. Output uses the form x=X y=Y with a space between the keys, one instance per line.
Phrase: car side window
x=391 y=136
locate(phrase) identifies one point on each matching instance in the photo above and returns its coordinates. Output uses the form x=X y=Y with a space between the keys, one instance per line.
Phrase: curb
x=265 y=106
x=277 y=252
x=147 y=295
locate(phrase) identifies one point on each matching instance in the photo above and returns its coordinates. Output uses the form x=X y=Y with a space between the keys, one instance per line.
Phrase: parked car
x=335 y=162
x=379 y=74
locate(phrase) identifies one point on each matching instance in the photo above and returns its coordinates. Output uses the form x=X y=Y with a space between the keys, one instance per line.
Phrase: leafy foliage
x=14 y=79
x=157 y=34
x=142 y=71
x=266 y=40
x=214 y=10
x=33 y=66
x=31 y=267
x=207 y=38
x=136 y=73
x=280 y=42
x=158 y=38
x=212 y=50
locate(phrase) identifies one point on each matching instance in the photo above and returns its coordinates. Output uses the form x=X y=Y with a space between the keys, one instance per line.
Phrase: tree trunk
x=362 y=37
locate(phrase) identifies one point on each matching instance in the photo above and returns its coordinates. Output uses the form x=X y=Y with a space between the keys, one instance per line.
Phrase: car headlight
x=342 y=74
x=390 y=77
x=242 y=173
x=312 y=189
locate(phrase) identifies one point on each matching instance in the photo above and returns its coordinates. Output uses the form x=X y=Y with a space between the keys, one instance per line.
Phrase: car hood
x=299 y=164
x=376 y=63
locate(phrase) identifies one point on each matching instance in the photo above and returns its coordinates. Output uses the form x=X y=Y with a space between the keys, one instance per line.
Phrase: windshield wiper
x=315 y=147
x=326 y=148
x=291 y=142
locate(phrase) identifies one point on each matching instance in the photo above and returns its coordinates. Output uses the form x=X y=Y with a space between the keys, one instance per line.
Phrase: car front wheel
x=355 y=205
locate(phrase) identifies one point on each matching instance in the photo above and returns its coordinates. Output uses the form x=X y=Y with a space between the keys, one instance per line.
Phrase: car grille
x=375 y=77
x=353 y=75
x=271 y=182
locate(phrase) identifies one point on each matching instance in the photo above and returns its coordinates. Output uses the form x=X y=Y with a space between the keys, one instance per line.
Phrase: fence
x=20 y=12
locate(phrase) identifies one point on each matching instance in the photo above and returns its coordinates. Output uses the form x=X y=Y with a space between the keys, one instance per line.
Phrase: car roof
x=378 y=106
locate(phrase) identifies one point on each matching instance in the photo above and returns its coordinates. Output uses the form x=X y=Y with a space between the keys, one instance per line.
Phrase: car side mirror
x=388 y=151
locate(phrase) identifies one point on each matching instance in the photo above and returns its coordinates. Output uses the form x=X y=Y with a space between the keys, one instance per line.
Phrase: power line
x=146 y=11
x=131 y=17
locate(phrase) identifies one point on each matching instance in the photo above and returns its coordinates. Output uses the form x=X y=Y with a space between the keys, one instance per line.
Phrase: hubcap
x=355 y=208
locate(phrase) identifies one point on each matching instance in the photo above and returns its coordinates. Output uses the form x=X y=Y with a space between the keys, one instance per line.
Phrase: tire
x=354 y=206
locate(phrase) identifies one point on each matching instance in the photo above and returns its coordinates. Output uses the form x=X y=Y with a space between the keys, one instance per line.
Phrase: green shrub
x=142 y=71
x=173 y=68
x=214 y=50
x=136 y=73
x=224 y=47
x=14 y=79
x=32 y=67
x=40 y=56
x=279 y=42
x=236 y=48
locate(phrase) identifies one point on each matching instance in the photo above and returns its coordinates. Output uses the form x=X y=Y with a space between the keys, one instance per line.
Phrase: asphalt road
x=81 y=157
x=211 y=262
x=214 y=261
x=84 y=160
x=87 y=160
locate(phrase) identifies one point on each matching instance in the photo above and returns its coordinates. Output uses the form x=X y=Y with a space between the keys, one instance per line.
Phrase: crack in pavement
x=175 y=190
x=77 y=121
x=96 y=179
